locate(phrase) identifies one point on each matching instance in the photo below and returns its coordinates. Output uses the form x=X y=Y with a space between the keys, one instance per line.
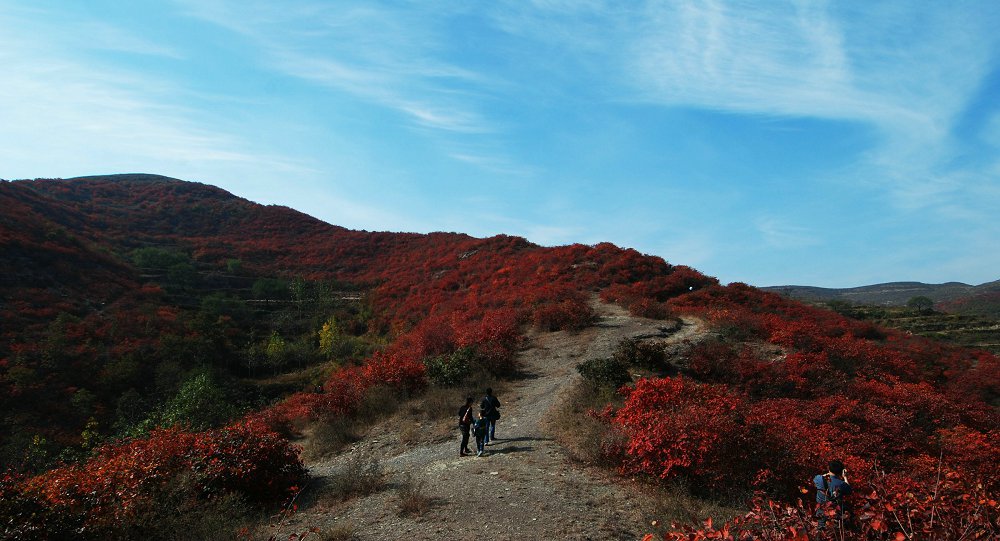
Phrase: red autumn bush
x=674 y=426
x=245 y=458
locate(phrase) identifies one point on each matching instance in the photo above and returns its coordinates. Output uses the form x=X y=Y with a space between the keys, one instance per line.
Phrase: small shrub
x=178 y=512
x=451 y=369
x=569 y=314
x=359 y=477
x=413 y=500
x=651 y=309
x=604 y=372
x=584 y=435
x=632 y=351
x=328 y=436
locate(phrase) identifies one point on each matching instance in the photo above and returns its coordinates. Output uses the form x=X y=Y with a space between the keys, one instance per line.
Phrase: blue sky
x=833 y=144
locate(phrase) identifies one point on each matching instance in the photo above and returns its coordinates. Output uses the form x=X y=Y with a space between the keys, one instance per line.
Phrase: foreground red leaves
x=910 y=418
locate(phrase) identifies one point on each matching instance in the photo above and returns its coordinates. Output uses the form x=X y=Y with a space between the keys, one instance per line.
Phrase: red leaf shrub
x=675 y=426
x=121 y=479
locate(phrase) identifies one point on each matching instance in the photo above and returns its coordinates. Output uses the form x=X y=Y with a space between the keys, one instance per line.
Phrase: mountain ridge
x=887 y=294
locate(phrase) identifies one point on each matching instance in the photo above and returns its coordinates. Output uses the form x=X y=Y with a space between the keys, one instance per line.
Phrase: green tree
x=234 y=266
x=199 y=404
x=270 y=289
x=923 y=305
x=330 y=337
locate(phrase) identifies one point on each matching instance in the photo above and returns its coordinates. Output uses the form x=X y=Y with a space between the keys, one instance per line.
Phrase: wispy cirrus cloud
x=778 y=233
x=387 y=55
x=890 y=67
x=87 y=116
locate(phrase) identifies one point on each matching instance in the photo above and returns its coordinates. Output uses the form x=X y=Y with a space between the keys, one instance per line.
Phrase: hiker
x=490 y=407
x=465 y=416
x=831 y=489
x=479 y=428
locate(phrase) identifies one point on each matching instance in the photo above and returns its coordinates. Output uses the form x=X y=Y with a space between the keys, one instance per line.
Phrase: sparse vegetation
x=361 y=476
x=413 y=498
x=605 y=372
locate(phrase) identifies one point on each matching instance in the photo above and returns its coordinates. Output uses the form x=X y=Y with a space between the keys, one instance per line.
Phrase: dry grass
x=583 y=436
x=674 y=503
x=331 y=434
x=378 y=403
x=413 y=500
x=359 y=477
x=430 y=417
x=328 y=436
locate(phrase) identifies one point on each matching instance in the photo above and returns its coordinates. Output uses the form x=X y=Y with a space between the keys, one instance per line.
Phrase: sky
x=832 y=144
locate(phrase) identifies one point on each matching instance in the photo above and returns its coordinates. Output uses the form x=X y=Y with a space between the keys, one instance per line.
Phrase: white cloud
x=66 y=113
x=378 y=54
x=781 y=235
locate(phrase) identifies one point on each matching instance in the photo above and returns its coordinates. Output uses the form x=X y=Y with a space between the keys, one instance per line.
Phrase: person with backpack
x=465 y=418
x=490 y=407
x=831 y=490
x=479 y=428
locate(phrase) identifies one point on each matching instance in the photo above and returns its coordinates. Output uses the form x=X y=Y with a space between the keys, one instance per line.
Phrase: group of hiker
x=482 y=424
x=831 y=488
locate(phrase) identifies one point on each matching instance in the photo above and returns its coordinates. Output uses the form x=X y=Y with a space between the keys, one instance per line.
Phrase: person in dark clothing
x=465 y=418
x=479 y=428
x=831 y=490
x=490 y=407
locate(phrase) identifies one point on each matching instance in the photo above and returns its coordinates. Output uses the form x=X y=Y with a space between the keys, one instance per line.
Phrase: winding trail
x=527 y=488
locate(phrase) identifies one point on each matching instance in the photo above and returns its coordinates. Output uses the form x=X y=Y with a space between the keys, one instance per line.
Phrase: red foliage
x=675 y=426
x=245 y=457
x=833 y=387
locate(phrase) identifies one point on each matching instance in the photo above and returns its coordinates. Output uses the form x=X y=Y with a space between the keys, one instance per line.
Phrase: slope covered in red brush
x=136 y=303
x=788 y=388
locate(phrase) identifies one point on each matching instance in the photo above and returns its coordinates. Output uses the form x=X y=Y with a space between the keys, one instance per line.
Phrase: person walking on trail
x=490 y=407
x=831 y=490
x=465 y=418
x=479 y=428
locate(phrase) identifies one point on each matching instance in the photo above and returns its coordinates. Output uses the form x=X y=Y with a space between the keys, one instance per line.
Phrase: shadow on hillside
x=521 y=375
x=522 y=438
x=495 y=450
x=503 y=446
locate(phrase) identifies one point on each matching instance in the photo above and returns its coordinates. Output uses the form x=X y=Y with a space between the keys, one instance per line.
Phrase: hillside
x=889 y=294
x=167 y=347
x=120 y=291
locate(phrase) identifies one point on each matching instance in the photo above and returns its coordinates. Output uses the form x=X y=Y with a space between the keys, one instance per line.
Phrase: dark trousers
x=491 y=434
x=465 y=438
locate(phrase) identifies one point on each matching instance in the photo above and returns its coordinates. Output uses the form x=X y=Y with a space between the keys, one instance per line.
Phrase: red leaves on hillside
x=245 y=457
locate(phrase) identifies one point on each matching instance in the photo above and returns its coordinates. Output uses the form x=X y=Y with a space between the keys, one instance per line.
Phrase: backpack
x=828 y=492
x=490 y=410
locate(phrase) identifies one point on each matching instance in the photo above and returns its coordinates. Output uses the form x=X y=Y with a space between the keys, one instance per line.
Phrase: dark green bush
x=450 y=369
x=605 y=372
x=638 y=353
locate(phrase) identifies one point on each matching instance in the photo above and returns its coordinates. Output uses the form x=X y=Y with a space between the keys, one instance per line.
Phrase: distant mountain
x=889 y=294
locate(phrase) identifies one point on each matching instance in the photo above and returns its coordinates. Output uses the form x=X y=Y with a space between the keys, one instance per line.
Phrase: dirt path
x=526 y=488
